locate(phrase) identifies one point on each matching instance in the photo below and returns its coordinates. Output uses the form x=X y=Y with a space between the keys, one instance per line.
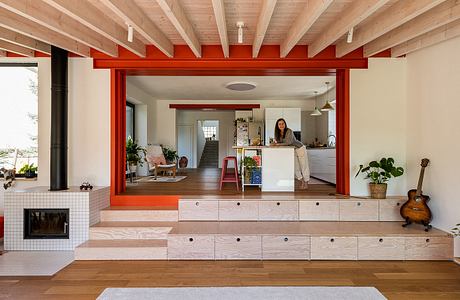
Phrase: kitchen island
x=276 y=168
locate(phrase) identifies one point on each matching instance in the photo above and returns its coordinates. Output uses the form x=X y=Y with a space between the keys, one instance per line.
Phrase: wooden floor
x=206 y=182
x=87 y=279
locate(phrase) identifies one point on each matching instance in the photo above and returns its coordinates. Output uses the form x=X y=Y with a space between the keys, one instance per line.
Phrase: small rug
x=243 y=293
x=161 y=179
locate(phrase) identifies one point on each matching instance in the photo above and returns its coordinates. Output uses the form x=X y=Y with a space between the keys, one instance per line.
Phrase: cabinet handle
x=317 y=203
x=359 y=204
x=332 y=240
x=190 y=239
x=237 y=203
x=380 y=240
x=197 y=203
x=397 y=204
x=286 y=239
x=238 y=239
x=277 y=203
x=427 y=240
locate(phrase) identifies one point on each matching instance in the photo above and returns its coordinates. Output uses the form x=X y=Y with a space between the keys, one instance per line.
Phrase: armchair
x=157 y=162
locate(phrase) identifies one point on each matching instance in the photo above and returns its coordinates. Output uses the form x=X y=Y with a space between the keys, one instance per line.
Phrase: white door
x=185 y=143
x=269 y=130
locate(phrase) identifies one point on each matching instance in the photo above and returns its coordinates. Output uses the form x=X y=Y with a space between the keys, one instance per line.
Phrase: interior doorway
x=208 y=143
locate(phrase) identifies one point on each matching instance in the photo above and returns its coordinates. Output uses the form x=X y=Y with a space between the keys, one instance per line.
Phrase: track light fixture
x=350 y=35
x=240 y=26
x=130 y=33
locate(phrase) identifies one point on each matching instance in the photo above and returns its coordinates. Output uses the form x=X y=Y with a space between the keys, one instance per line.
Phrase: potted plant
x=133 y=157
x=249 y=164
x=456 y=230
x=170 y=155
x=29 y=171
x=379 y=172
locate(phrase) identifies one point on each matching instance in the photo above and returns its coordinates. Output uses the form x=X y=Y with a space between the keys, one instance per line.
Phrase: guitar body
x=416 y=209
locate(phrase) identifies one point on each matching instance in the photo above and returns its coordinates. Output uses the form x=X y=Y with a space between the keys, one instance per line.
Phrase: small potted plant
x=29 y=171
x=133 y=157
x=379 y=172
x=170 y=155
x=249 y=164
x=456 y=230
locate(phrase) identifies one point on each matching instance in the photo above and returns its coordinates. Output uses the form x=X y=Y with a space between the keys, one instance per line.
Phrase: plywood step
x=130 y=230
x=139 y=214
x=122 y=250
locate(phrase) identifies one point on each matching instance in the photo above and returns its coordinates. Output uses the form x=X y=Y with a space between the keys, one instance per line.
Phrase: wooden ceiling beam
x=136 y=17
x=23 y=40
x=29 y=28
x=90 y=16
x=268 y=6
x=304 y=21
x=10 y=47
x=396 y=15
x=353 y=14
x=438 y=16
x=219 y=14
x=175 y=13
x=45 y=15
x=433 y=37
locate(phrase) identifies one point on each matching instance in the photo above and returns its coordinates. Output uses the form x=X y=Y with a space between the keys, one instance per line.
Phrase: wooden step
x=130 y=230
x=139 y=213
x=122 y=250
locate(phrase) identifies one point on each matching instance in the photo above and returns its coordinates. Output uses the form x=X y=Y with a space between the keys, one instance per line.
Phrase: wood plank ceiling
x=29 y=27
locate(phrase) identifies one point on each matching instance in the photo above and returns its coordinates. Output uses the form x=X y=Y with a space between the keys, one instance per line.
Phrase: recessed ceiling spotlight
x=240 y=86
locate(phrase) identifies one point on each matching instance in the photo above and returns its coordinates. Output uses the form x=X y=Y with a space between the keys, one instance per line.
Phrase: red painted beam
x=343 y=132
x=215 y=106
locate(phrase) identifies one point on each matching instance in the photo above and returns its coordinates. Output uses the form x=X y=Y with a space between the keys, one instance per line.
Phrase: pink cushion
x=156 y=159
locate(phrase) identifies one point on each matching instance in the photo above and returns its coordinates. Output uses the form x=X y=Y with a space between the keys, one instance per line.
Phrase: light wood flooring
x=87 y=279
x=206 y=182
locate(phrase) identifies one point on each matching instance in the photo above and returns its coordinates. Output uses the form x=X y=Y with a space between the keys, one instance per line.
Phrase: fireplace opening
x=46 y=223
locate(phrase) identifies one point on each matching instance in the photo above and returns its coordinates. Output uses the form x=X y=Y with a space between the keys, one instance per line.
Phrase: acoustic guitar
x=416 y=210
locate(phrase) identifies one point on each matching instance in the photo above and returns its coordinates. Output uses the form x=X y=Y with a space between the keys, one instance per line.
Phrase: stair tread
x=133 y=224
x=124 y=244
x=161 y=208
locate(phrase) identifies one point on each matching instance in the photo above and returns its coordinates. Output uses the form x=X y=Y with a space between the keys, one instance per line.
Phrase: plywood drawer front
x=198 y=210
x=190 y=247
x=359 y=210
x=278 y=210
x=285 y=247
x=341 y=248
x=429 y=248
x=319 y=210
x=238 y=247
x=389 y=209
x=238 y=210
x=381 y=248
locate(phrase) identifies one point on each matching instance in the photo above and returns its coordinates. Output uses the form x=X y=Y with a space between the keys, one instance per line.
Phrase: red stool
x=229 y=177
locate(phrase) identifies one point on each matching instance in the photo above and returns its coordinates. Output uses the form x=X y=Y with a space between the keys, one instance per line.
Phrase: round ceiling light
x=240 y=86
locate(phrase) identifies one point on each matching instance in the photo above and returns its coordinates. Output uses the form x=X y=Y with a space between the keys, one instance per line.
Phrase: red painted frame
x=213 y=63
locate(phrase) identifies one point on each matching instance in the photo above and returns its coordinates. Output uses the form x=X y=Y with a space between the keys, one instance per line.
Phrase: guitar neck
x=420 y=182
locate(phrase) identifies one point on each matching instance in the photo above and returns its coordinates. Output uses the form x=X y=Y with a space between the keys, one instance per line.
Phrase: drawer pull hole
x=286 y=239
x=277 y=203
x=317 y=203
x=332 y=240
x=427 y=240
x=359 y=203
x=190 y=239
x=237 y=203
x=397 y=204
x=380 y=240
x=238 y=239
x=197 y=203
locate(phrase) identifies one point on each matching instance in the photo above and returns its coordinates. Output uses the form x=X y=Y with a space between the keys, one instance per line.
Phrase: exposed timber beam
x=219 y=14
x=136 y=17
x=438 y=16
x=90 y=16
x=23 y=40
x=304 y=21
x=2 y=53
x=51 y=18
x=433 y=37
x=353 y=14
x=396 y=15
x=173 y=10
x=268 y=6
x=27 y=27
x=10 y=47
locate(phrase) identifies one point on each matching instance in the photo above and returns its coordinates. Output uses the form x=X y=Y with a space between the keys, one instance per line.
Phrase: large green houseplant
x=379 y=173
x=133 y=154
x=170 y=155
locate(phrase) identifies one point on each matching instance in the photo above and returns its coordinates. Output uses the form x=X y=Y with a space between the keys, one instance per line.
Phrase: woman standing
x=285 y=137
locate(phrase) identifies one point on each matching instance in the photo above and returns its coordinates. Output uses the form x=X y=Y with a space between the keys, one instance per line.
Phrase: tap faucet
x=330 y=143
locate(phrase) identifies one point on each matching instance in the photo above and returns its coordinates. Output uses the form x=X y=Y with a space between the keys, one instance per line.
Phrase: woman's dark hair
x=278 y=136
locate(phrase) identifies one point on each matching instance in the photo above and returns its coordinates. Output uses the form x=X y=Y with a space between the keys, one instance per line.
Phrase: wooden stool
x=229 y=177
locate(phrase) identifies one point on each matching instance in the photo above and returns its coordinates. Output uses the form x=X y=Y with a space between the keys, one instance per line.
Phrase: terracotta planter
x=378 y=190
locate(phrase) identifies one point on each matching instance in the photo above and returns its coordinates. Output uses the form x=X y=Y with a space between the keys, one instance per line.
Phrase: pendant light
x=327 y=106
x=316 y=112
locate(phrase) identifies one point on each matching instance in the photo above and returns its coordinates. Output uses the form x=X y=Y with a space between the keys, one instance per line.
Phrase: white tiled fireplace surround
x=84 y=207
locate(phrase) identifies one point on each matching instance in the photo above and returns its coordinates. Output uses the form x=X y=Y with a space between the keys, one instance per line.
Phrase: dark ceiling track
x=59 y=122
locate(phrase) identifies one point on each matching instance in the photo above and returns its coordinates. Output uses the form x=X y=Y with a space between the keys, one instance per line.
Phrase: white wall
x=89 y=123
x=322 y=128
x=378 y=120
x=433 y=89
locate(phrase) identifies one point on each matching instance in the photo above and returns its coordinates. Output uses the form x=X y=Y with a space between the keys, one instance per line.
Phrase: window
x=130 y=120
x=19 y=118
x=209 y=132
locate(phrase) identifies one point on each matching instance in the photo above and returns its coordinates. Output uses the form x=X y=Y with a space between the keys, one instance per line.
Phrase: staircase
x=210 y=156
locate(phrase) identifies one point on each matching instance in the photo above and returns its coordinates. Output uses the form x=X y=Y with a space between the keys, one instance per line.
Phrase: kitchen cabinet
x=291 y=115
x=322 y=163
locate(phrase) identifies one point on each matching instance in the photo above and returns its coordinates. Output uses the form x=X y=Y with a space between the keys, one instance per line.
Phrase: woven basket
x=378 y=190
